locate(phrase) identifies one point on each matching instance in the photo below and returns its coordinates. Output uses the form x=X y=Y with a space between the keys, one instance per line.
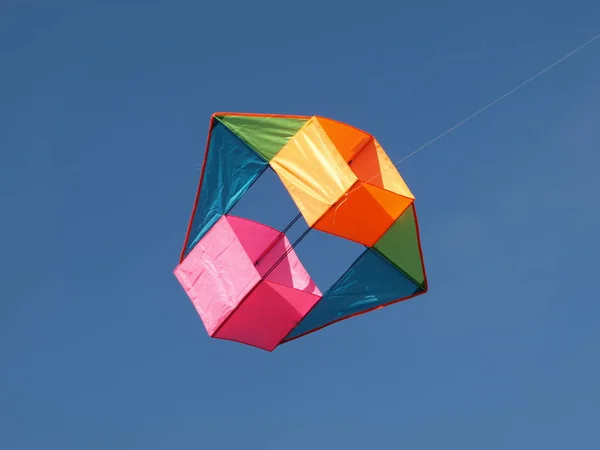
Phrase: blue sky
x=104 y=109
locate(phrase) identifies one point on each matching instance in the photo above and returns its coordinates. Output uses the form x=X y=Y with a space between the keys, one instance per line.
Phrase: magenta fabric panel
x=267 y=316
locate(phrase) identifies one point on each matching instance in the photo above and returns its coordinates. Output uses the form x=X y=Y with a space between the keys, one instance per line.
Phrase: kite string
x=489 y=105
x=502 y=97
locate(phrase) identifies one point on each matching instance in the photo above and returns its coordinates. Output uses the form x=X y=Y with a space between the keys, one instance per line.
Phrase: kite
x=245 y=279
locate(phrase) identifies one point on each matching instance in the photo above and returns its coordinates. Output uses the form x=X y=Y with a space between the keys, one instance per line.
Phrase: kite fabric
x=245 y=279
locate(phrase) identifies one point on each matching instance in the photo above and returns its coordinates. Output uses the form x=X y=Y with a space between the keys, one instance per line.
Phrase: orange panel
x=313 y=171
x=364 y=214
x=346 y=138
x=373 y=166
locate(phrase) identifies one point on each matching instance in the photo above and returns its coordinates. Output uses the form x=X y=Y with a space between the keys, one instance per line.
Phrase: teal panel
x=231 y=168
x=370 y=282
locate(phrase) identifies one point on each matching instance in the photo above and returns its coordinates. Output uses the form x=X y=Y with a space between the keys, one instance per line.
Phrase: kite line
x=502 y=97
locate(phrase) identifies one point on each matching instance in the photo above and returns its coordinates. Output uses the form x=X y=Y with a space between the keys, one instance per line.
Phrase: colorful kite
x=245 y=279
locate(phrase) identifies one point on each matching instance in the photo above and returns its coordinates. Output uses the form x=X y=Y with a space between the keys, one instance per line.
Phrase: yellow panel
x=313 y=171
x=373 y=166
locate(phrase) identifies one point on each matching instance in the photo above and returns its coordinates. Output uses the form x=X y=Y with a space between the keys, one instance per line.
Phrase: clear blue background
x=103 y=114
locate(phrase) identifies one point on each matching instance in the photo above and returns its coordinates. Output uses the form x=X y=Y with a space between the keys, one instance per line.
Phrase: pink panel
x=267 y=316
x=290 y=271
x=255 y=237
x=229 y=293
x=217 y=275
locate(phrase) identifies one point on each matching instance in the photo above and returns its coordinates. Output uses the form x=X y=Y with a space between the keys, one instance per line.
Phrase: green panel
x=266 y=135
x=400 y=244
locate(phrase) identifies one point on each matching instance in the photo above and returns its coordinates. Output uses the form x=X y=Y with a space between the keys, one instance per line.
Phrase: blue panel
x=231 y=168
x=370 y=282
